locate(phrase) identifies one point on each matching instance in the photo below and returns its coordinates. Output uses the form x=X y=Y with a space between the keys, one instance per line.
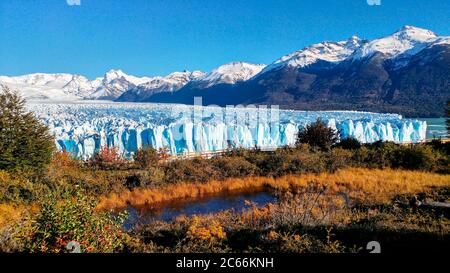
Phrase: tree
x=25 y=143
x=318 y=135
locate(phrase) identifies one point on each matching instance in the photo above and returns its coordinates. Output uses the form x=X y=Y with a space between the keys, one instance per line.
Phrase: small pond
x=205 y=205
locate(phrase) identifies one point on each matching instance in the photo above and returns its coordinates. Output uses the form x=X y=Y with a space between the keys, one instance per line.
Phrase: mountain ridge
x=405 y=72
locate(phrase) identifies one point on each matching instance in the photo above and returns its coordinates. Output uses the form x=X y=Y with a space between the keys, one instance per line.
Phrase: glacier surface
x=82 y=128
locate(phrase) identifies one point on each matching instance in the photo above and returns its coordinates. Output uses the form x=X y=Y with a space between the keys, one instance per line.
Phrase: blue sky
x=156 y=37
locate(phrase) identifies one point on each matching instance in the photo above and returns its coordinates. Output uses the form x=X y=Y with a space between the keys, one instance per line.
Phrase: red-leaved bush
x=107 y=157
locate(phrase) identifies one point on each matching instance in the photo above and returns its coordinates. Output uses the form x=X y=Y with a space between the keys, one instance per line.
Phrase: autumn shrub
x=203 y=235
x=8 y=240
x=362 y=157
x=63 y=174
x=194 y=170
x=339 y=158
x=18 y=188
x=305 y=160
x=72 y=219
x=65 y=160
x=212 y=231
x=108 y=158
x=294 y=242
x=254 y=156
x=228 y=167
x=13 y=188
x=146 y=157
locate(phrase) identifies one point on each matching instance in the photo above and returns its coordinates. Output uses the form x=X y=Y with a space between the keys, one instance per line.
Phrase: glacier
x=82 y=128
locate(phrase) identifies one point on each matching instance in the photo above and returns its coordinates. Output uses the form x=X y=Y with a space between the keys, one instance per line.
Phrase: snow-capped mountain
x=408 y=40
x=49 y=86
x=331 y=52
x=68 y=87
x=405 y=72
x=169 y=83
x=229 y=73
x=115 y=83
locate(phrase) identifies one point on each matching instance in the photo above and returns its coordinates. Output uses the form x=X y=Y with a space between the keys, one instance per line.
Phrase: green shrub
x=72 y=219
x=440 y=146
x=349 y=143
x=273 y=164
x=392 y=155
x=414 y=157
x=381 y=154
x=318 y=135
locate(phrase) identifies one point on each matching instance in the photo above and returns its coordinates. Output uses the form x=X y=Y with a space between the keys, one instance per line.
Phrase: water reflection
x=211 y=204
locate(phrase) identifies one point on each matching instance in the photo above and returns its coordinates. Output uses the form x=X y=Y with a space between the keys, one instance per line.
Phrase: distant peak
x=234 y=65
x=354 y=38
x=414 y=33
x=230 y=73
x=115 y=73
x=353 y=42
x=409 y=27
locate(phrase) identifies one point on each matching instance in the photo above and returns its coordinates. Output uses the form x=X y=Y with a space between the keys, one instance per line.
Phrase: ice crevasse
x=83 y=128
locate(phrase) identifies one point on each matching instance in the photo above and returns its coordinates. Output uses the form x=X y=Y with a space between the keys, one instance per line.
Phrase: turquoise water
x=436 y=128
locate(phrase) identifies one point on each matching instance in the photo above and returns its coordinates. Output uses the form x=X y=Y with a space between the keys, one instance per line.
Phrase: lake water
x=204 y=205
x=436 y=128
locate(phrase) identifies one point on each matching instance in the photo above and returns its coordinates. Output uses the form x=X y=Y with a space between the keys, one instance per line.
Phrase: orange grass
x=10 y=213
x=363 y=185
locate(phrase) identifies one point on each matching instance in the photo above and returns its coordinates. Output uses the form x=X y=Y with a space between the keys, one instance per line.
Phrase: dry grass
x=10 y=213
x=362 y=185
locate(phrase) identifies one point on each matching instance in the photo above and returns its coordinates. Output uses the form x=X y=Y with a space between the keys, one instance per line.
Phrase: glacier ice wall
x=83 y=128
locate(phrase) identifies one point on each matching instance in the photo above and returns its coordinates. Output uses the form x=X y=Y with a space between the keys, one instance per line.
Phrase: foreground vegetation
x=334 y=195
x=361 y=185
